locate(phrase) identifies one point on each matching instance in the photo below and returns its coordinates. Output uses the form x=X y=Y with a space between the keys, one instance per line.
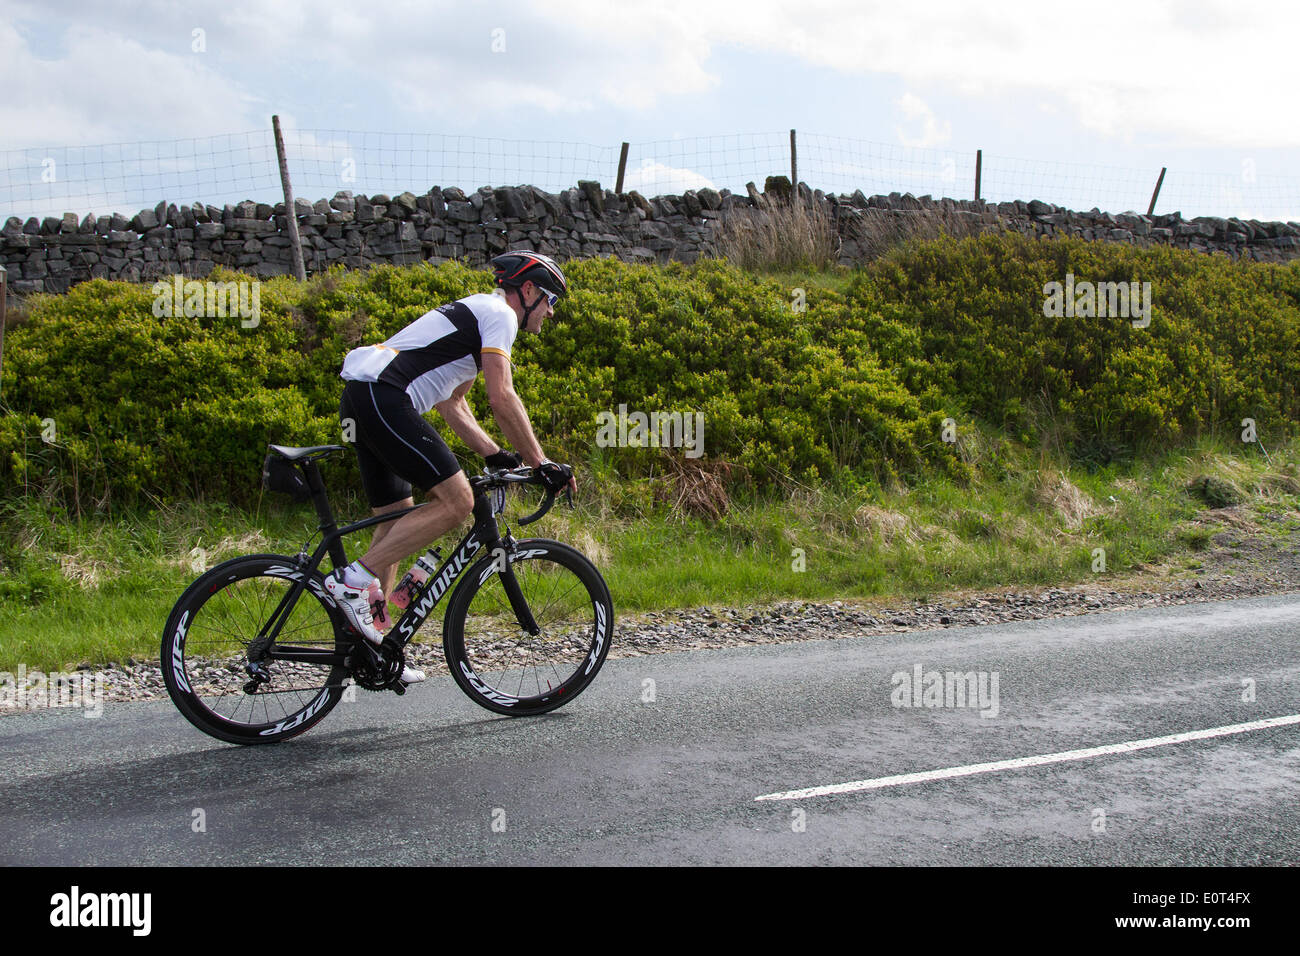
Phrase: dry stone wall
x=52 y=254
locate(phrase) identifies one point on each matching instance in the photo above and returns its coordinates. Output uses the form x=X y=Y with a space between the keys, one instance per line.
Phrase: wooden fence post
x=299 y=269
x=794 y=164
x=979 y=169
x=622 y=168
x=4 y=294
x=1152 y=208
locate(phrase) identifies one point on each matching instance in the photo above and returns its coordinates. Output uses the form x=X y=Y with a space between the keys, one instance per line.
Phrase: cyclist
x=431 y=364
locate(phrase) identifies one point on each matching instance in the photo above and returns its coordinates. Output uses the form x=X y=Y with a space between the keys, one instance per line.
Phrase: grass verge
x=93 y=591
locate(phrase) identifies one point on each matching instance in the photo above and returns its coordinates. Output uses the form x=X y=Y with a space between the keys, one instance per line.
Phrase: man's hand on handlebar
x=556 y=477
x=503 y=459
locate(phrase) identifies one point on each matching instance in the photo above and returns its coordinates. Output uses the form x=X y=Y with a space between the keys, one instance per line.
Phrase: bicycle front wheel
x=496 y=661
x=205 y=649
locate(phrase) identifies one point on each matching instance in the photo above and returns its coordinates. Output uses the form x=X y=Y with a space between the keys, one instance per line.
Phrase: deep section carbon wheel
x=205 y=652
x=502 y=666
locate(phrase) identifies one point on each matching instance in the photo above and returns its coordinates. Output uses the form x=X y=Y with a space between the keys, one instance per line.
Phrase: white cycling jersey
x=438 y=351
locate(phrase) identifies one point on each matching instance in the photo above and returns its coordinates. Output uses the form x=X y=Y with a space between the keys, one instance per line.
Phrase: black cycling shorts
x=396 y=447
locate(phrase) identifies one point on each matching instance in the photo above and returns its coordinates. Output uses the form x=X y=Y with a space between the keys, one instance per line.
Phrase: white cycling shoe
x=354 y=602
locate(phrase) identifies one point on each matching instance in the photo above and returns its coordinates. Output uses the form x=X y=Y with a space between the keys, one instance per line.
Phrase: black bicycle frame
x=484 y=533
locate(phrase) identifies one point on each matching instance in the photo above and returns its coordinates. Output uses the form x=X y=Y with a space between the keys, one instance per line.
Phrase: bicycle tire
x=487 y=649
x=210 y=628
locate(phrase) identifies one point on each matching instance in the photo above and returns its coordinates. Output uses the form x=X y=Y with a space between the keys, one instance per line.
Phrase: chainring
x=377 y=668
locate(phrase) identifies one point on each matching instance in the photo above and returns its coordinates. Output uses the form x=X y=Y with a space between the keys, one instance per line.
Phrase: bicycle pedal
x=399 y=688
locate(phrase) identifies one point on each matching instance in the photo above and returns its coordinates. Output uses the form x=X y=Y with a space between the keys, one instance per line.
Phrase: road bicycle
x=526 y=629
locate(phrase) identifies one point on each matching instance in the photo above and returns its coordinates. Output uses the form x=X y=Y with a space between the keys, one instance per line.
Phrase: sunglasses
x=551 y=297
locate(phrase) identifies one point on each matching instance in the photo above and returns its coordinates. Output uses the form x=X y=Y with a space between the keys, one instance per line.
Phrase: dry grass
x=1055 y=491
x=779 y=236
x=695 y=489
x=591 y=546
x=1234 y=517
x=802 y=234
x=84 y=571
x=199 y=558
x=876 y=231
x=1277 y=483
x=888 y=525
x=17 y=309
x=934 y=532
x=566 y=527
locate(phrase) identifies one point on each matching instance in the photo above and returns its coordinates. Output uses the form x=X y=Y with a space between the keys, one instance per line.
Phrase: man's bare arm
x=456 y=412
x=508 y=409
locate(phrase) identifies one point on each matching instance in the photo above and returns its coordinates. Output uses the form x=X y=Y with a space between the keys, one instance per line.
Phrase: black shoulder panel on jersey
x=410 y=364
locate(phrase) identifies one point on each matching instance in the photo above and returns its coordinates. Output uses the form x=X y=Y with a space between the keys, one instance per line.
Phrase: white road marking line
x=1016 y=763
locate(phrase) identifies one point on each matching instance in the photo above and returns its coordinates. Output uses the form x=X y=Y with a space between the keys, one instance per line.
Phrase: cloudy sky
x=1077 y=104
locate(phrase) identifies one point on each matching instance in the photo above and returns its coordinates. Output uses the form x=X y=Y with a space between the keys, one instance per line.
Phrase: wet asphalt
x=660 y=761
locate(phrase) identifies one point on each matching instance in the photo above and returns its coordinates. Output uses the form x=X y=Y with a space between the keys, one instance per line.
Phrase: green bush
x=854 y=389
x=1215 y=492
x=966 y=320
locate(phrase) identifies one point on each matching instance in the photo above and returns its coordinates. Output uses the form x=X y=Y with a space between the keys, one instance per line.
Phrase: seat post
x=327 y=523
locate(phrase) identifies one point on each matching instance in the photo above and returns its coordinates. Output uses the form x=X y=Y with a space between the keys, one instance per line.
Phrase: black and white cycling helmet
x=513 y=269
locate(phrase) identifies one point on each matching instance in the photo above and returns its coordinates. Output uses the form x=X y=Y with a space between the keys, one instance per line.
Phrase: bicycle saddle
x=297 y=454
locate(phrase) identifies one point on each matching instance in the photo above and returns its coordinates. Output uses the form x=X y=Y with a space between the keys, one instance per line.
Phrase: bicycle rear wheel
x=502 y=667
x=205 y=644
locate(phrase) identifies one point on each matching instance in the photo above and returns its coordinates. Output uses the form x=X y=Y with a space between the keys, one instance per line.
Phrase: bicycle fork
x=523 y=614
x=502 y=550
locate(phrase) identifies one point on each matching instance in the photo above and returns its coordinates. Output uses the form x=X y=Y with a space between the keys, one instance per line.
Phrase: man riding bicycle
x=432 y=363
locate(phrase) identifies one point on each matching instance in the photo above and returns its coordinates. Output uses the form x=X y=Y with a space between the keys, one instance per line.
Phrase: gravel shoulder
x=1241 y=561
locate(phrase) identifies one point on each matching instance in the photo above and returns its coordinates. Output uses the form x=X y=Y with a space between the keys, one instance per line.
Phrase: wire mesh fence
x=1078 y=186
x=841 y=165
x=321 y=162
x=127 y=177
x=718 y=162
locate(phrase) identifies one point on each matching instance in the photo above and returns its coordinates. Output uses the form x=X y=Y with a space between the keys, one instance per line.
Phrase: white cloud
x=431 y=59
x=926 y=129
x=1196 y=73
x=110 y=87
x=653 y=178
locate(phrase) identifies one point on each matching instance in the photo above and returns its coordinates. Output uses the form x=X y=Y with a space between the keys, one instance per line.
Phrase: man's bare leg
x=450 y=503
x=388 y=574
